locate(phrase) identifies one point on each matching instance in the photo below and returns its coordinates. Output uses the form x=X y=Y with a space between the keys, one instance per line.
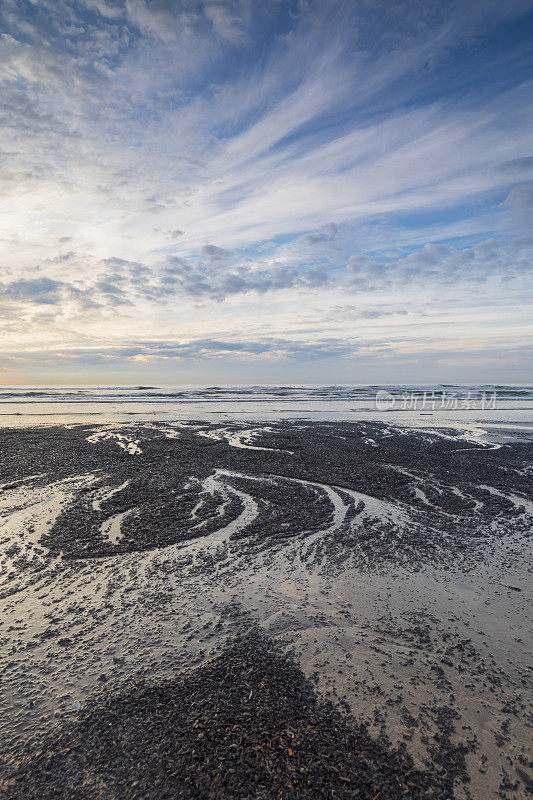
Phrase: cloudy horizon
x=224 y=191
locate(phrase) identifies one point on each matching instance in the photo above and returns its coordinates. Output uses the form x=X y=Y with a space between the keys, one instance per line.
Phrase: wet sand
x=393 y=564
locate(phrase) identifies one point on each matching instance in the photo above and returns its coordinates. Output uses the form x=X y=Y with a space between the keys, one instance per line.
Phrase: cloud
x=354 y=312
x=205 y=281
x=163 y=158
x=216 y=253
x=518 y=165
x=320 y=237
x=442 y=264
x=38 y=290
x=173 y=19
x=520 y=197
x=116 y=286
x=203 y=349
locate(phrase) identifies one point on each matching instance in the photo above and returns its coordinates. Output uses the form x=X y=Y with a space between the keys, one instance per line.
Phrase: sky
x=230 y=191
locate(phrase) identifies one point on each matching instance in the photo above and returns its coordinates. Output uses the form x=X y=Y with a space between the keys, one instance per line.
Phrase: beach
x=382 y=566
x=266 y=400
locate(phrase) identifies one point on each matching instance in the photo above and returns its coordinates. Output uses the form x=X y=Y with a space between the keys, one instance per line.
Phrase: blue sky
x=278 y=191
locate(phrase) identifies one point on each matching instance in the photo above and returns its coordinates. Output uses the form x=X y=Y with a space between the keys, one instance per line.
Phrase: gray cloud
x=203 y=281
x=330 y=234
x=216 y=253
x=200 y=348
x=441 y=263
x=37 y=290
x=119 y=283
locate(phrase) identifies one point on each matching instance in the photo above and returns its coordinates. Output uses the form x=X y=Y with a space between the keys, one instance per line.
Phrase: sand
x=393 y=564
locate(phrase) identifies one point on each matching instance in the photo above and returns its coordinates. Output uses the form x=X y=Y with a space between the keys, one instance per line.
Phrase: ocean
x=443 y=404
